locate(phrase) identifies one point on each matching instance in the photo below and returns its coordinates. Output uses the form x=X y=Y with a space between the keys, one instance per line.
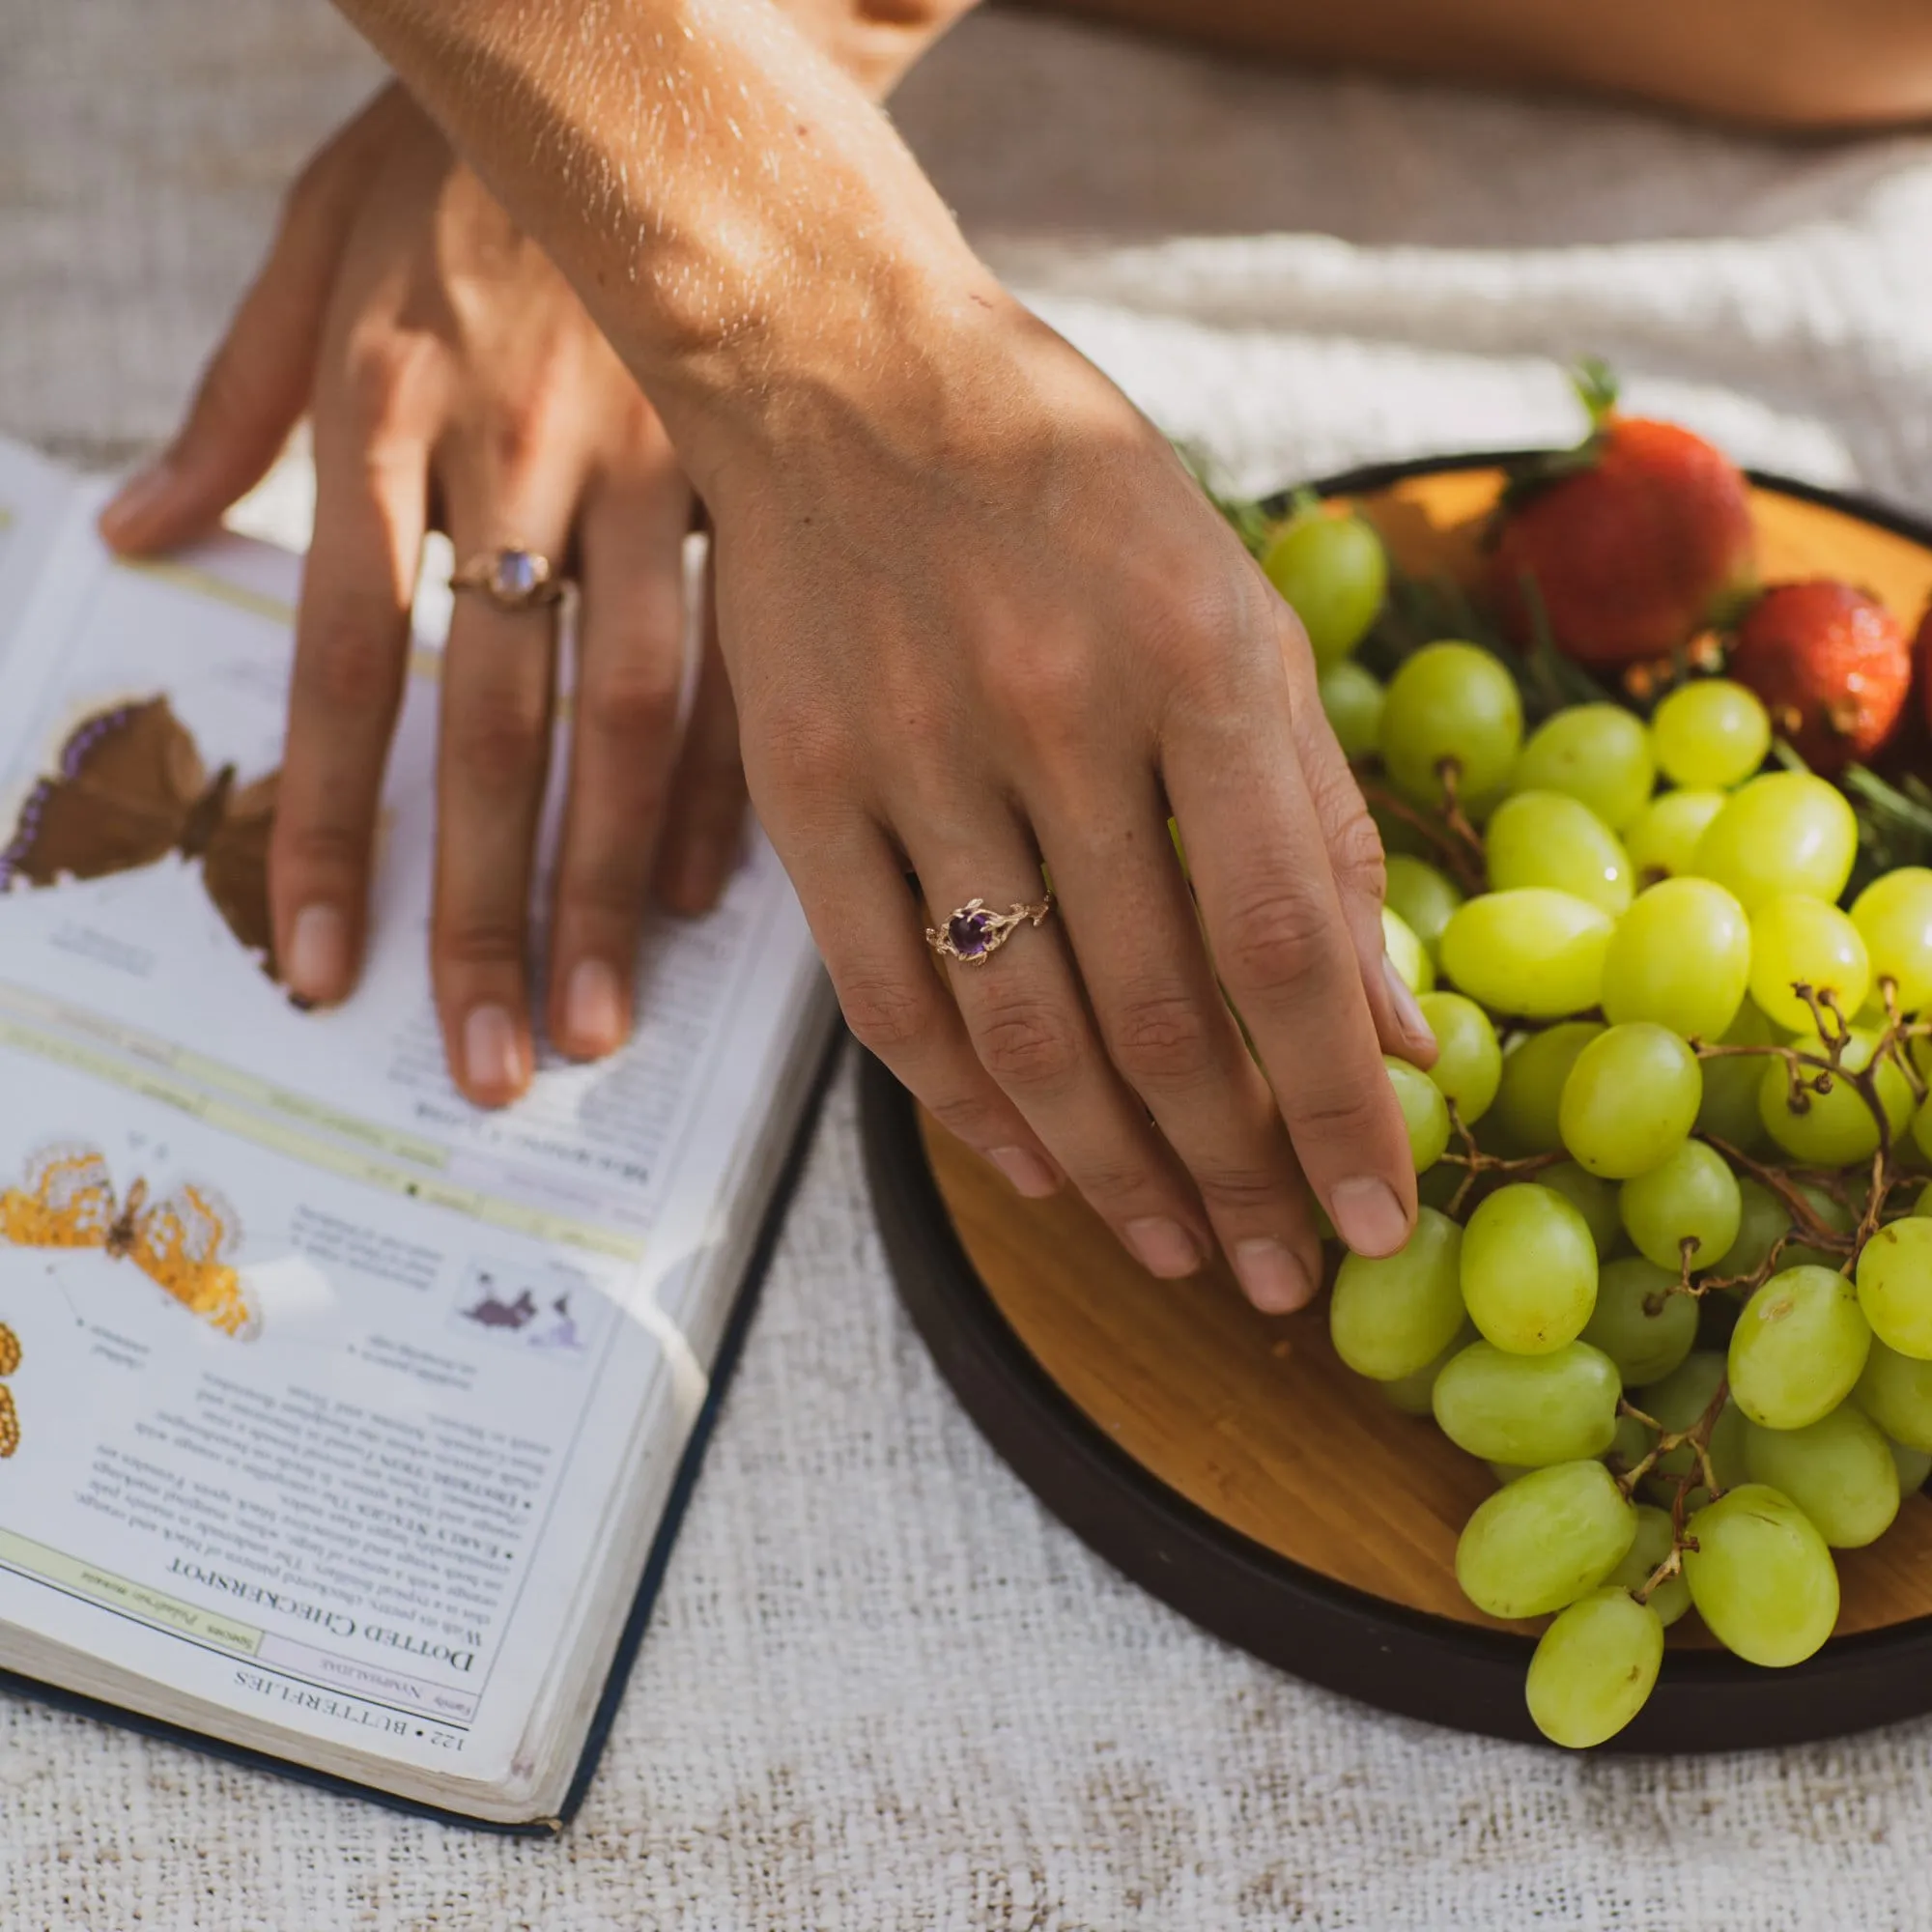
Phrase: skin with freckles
x=974 y=616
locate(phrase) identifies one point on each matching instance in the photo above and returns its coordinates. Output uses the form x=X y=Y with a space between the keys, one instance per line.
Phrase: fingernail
x=491 y=1058
x=1029 y=1174
x=317 y=967
x=1407 y=1008
x=1275 y=1282
x=136 y=496
x=1368 y=1216
x=1165 y=1247
x=593 y=1007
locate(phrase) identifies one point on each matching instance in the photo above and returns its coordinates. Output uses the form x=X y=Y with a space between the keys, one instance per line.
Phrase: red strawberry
x=1636 y=540
x=1832 y=667
x=1921 y=664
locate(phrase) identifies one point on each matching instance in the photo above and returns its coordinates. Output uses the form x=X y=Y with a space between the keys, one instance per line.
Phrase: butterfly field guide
x=343 y=1426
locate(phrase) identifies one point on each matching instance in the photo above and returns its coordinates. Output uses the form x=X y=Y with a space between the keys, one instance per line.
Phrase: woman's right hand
x=976 y=619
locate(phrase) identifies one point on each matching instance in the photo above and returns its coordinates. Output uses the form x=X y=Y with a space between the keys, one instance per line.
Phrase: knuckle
x=966 y=1117
x=1027 y=1040
x=499 y=738
x=636 y=704
x=1239 y=1188
x=352 y=662
x=317 y=850
x=469 y=941
x=1161 y=1037
x=806 y=764
x=381 y=364
x=607 y=888
x=1275 y=940
x=1335 y=1117
x=885 y=1012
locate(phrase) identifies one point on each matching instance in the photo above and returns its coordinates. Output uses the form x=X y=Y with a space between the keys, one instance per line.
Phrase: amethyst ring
x=513 y=579
x=975 y=932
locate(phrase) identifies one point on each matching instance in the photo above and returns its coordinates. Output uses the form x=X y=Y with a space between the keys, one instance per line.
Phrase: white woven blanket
x=884 y=1690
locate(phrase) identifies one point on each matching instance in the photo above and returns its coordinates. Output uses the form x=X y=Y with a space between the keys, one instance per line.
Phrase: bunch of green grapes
x=1671 y=1280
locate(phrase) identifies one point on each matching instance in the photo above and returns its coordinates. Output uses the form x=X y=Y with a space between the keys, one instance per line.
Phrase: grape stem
x=1455 y=844
x=1478 y=1163
x=1697 y=1439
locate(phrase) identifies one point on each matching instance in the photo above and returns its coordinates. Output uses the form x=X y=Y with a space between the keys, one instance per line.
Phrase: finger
x=1167 y=1029
x=259 y=381
x=1281 y=947
x=623 y=746
x=895 y=1003
x=352 y=654
x=1355 y=854
x=492 y=759
x=1028 y=1020
x=704 y=825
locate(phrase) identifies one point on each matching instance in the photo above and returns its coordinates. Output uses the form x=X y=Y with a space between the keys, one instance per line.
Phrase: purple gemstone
x=967 y=930
x=516 y=573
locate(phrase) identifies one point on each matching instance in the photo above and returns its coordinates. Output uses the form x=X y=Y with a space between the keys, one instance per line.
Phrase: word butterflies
x=181 y=1242
x=9 y=1420
x=129 y=789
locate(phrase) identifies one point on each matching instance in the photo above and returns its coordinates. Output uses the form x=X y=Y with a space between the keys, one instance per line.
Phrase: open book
x=339 y=1420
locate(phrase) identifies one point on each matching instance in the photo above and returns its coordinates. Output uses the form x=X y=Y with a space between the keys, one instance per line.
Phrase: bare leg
x=1784 y=64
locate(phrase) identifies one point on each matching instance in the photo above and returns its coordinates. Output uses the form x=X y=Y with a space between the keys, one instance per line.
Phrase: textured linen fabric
x=883 y=1688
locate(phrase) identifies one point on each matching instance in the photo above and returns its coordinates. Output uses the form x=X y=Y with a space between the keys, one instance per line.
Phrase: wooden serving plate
x=1228 y=1462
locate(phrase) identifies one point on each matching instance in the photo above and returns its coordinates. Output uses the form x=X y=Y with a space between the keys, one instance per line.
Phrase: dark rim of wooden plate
x=1326 y=1632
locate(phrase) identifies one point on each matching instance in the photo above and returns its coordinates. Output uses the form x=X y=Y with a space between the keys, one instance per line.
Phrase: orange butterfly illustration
x=182 y=1242
x=9 y=1420
x=129 y=789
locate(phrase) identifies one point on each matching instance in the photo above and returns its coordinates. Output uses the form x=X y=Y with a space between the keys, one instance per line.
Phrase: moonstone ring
x=975 y=932
x=512 y=578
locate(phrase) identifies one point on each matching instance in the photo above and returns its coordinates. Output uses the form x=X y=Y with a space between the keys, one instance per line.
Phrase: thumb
x=257 y=385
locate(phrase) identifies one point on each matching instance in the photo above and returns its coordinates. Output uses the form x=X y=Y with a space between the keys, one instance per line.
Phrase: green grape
x=1786 y=832
x=1534 y=952
x=1505 y=1473
x=1594 y=1198
x=1761 y=1576
x=1710 y=732
x=1351 y=700
x=1593 y=1668
x=1724 y=1452
x=1729 y=1110
x=1630 y=1444
x=1921 y=1130
x=1392 y=1315
x=1334 y=572
x=1424 y=1111
x=1662 y=840
x=1638 y=1322
x=1833 y=1214
x=1631 y=1100
x=1414 y=1395
x=1597 y=752
x=1534 y=1069
x=1894 y=1277
x=1924 y=1204
x=1406 y=954
x=1689 y=1194
x=1914 y=1465
x=1896 y=1392
x=1799 y=1347
x=1469 y=1063
x=1895 y=916
x=1548 y=838
x=1545 y=1540
x=1678 y=1401
x=1839 y=1470
x=1528 y=1409
x=1423 y=897
x=1763 y=1221
x=1680 y=957
x=1530 y=1270
x=1450 y=701
x=1654 y=1539
x=1834 y=1129
x=1796 y=941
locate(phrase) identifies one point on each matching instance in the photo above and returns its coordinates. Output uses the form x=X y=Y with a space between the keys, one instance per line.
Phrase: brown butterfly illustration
x=182 y=1242
x=10 y=1419
x=130 y=787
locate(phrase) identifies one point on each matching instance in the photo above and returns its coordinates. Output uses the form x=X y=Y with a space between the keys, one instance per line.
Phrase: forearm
x=736 y=216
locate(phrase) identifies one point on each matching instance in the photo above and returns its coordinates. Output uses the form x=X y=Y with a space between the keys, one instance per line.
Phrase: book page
x=36 y=502
x=325 y=1379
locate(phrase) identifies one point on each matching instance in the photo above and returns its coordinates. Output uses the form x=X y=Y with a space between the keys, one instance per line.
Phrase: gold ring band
x=513 y=579
x=973 y=932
